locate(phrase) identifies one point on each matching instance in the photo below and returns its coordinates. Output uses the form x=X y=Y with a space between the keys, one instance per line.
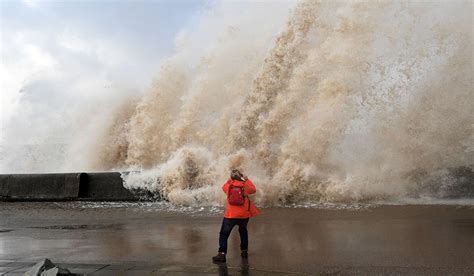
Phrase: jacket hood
x=236 y=182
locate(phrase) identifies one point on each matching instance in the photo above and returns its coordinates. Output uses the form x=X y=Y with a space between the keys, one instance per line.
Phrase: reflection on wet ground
x=415 y=239
x=80 y=227
x=244 y=269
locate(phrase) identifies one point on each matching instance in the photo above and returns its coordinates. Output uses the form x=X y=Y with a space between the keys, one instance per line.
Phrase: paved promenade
x=150 y=238
x=11 y=267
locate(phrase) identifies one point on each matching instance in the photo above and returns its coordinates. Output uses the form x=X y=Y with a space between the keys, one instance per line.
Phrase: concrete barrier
x=51 y=186
x=462 y=185
x=104 y=186
x=96 y=186
x=108 y=186
x=456 y=183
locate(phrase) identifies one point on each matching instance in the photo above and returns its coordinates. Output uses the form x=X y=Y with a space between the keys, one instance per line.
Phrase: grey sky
x=58 y=49
x=150 y=24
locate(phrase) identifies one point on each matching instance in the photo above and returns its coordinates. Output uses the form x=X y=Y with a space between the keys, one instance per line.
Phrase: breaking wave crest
x=347 y=102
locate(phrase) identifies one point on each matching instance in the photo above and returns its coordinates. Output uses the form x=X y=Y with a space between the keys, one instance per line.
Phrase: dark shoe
x=220 y=257
x=244 y=254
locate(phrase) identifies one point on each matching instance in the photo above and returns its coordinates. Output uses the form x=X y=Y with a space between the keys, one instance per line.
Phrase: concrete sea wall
x=108 y=186
x=64 y=186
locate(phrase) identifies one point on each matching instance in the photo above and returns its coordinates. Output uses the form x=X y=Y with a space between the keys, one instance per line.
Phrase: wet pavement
x=137 y=239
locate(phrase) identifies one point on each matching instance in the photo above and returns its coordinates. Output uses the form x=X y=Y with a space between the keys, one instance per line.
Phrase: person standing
x=238 y=211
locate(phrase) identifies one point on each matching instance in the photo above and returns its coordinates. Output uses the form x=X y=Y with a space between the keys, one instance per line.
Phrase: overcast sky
x=57 y=49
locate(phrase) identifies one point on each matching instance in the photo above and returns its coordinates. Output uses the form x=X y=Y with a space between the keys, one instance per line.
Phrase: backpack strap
x=228 y=190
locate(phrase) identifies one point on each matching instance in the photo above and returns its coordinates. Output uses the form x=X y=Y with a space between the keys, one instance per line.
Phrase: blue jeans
x=226 y=228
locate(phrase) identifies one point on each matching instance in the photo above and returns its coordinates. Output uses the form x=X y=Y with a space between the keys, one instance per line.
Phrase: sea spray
x=349 y=102
x=354 y=102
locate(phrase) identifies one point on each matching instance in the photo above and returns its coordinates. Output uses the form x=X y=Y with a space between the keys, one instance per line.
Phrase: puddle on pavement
x=80 y=227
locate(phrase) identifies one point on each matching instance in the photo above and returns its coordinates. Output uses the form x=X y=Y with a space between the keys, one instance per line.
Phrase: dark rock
x=47 y=268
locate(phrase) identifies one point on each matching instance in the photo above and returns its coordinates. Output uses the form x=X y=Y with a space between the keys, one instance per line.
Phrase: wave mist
x=347 y=102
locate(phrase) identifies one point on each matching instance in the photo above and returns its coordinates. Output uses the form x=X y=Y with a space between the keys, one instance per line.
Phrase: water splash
x=350 y=102
x=353 y=102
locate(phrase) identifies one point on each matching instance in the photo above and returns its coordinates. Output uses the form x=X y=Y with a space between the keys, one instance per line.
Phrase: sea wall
x=109 y=186
x=64 y=186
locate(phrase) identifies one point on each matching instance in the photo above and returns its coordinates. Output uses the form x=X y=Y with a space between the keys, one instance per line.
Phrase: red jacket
x=243 y=211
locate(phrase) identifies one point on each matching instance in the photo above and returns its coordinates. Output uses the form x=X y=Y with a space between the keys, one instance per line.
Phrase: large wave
x=353 y=102
x=348 y=102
